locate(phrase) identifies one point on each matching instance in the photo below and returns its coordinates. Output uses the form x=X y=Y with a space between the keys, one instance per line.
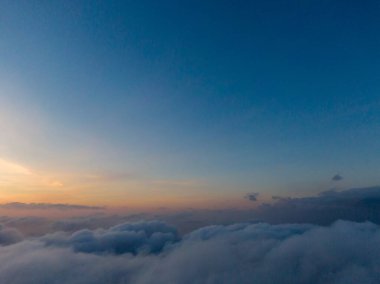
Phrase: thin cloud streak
x=47 y=206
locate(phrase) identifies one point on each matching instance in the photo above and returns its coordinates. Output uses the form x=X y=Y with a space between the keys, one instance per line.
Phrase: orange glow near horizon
x=20 y=183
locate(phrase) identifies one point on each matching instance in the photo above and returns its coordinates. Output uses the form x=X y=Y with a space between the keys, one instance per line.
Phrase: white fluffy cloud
x=345 y=252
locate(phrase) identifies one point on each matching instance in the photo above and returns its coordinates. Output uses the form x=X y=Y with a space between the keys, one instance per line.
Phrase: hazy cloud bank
x=360 y=205
x=357 y=204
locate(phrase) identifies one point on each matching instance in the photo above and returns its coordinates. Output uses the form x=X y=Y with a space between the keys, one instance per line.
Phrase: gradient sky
x=187 y=103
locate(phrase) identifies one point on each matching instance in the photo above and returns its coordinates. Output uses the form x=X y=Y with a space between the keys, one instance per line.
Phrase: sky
x=190 y=141
x=187 y=104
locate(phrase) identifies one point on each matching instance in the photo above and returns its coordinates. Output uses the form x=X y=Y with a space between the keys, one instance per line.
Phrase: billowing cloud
x=337 y=177
x=252 y=196
x=47 y=206
x=147 y=237
x=9 y=236
x=344 y=252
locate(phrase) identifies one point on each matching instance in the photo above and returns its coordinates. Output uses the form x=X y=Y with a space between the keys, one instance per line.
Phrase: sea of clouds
x=153 y=252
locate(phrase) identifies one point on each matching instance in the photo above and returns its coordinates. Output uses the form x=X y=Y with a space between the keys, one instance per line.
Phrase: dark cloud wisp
x=337 y=177
x=252 y=196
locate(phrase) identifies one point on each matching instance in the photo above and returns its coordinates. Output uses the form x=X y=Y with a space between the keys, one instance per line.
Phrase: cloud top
x=140 y=237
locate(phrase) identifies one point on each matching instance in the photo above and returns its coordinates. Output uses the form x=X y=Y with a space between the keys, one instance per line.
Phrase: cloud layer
x=345 y=252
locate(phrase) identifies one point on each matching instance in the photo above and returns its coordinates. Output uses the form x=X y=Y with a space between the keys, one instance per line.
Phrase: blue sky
x=265 y=96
